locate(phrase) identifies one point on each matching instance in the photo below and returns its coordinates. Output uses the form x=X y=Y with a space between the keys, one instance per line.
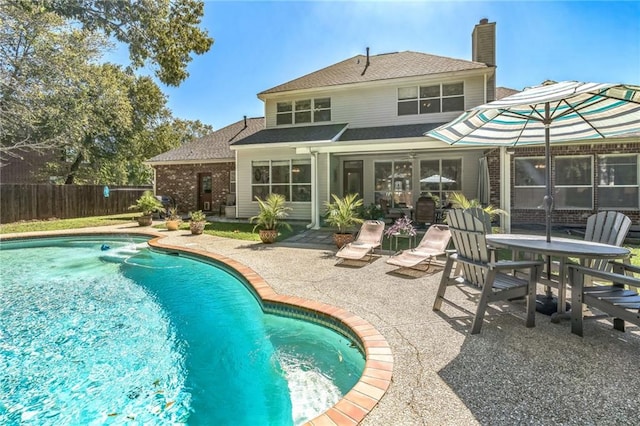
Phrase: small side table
x=411 y=238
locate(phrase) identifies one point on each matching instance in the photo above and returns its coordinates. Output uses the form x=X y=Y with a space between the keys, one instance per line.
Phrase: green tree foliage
x=103 y=120
x=42 y=65
x=161 y=32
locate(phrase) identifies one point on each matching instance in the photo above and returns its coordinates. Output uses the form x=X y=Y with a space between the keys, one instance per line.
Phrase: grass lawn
x=238 y=231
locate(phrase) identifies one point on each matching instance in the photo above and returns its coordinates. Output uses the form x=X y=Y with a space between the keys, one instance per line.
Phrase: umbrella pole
x=548 y=199
x=546 y=303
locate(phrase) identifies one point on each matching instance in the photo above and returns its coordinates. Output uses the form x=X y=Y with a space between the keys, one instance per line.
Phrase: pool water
x=106 y=331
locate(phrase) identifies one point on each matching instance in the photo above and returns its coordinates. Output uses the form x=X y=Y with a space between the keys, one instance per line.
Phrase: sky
x=261 y=44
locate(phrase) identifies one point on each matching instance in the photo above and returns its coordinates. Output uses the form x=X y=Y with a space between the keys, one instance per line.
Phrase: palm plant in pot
x=147 y=204
x=343 y=214
x=272 y=213
x=197 y=222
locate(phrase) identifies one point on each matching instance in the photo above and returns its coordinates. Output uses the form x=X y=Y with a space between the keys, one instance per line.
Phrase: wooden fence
x=28 y=201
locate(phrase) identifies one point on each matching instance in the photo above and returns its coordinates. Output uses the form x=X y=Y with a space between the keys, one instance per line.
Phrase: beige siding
x=377 y=105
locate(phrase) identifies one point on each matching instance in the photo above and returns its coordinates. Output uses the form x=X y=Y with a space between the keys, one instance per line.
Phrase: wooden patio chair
x=621 y=299
x=478 y=271
x=608 y=227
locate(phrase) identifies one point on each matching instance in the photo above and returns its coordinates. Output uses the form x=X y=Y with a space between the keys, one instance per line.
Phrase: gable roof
x=381 y=67
x=214 y=146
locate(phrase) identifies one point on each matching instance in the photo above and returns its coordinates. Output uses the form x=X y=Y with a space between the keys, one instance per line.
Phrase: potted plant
x=343 y=214
x=272 y=213
x=147 y=204
x=458 y=200
x=197 y=222
x=173 y=220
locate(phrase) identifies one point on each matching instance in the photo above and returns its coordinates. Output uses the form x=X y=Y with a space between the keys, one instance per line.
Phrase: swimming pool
x=102 y=330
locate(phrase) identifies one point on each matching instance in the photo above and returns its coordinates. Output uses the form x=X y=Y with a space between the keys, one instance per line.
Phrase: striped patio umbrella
x=549 y=113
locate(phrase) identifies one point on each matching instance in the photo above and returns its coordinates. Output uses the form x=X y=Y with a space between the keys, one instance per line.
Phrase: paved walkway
x=507 y=375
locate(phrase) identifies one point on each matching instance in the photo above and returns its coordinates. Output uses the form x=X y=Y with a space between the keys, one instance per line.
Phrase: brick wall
x=181 y=183
x=566 y=217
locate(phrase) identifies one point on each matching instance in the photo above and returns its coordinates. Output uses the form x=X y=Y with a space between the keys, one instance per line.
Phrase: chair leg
x=444 y=282
x=531 y=297
x=487 y=289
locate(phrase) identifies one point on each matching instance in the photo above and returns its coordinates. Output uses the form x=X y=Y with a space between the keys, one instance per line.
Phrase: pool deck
x=508 y=374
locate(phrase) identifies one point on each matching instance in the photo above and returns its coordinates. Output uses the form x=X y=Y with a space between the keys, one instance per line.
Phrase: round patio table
x=562 y=248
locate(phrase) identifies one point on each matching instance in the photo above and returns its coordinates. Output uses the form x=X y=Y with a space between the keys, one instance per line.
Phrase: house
x=358 y=126
x=200 y=175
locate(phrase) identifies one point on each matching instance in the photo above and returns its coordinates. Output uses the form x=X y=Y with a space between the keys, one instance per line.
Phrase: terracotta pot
x=146 y=220
x=268 y=236
x=172 y=225
x=342 y=239
x=197 y=228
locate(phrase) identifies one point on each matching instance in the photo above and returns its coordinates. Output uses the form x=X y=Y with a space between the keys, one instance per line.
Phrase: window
x=284 y=113
x=303 y=111
x=322 y=109
x=393 y=182
x=431 y=99
x=291 y=178
x=529 y=182
x=574 y=182
x=440 y=177
x=618 y=185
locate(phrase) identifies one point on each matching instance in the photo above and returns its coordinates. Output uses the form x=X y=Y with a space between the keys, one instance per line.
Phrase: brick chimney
x=483 y=44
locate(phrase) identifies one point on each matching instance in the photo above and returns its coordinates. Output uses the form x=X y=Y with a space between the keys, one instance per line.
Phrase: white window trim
x=291 y=184
x=441 y=97
x=312 y=110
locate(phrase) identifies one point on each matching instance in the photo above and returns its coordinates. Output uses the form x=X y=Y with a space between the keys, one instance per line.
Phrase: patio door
x=204 y=191
x=352 y=178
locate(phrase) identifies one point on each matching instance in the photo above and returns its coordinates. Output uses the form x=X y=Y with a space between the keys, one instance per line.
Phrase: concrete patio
x=506 y=375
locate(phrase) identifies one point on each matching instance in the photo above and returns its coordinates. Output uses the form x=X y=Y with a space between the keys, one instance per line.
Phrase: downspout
x=485 y=88
x=314 y=192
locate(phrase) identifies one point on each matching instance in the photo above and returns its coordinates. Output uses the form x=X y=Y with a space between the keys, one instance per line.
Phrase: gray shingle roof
x=503 y=92
x=389 y=132
x=381 y=67
x=293 y=134
x=329 y=132
x=214 y=146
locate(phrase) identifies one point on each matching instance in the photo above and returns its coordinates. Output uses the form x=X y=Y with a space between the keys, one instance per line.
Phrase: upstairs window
x=284 y=113
x=431 y=99
x=303 y=111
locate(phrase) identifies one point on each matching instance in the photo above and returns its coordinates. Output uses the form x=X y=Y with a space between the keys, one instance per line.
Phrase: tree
x=162 y=32
x=42 y=64
x=100 y=119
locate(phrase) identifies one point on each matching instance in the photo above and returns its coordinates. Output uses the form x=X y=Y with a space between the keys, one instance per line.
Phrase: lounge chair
x=433 y=244
x=368 y=239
